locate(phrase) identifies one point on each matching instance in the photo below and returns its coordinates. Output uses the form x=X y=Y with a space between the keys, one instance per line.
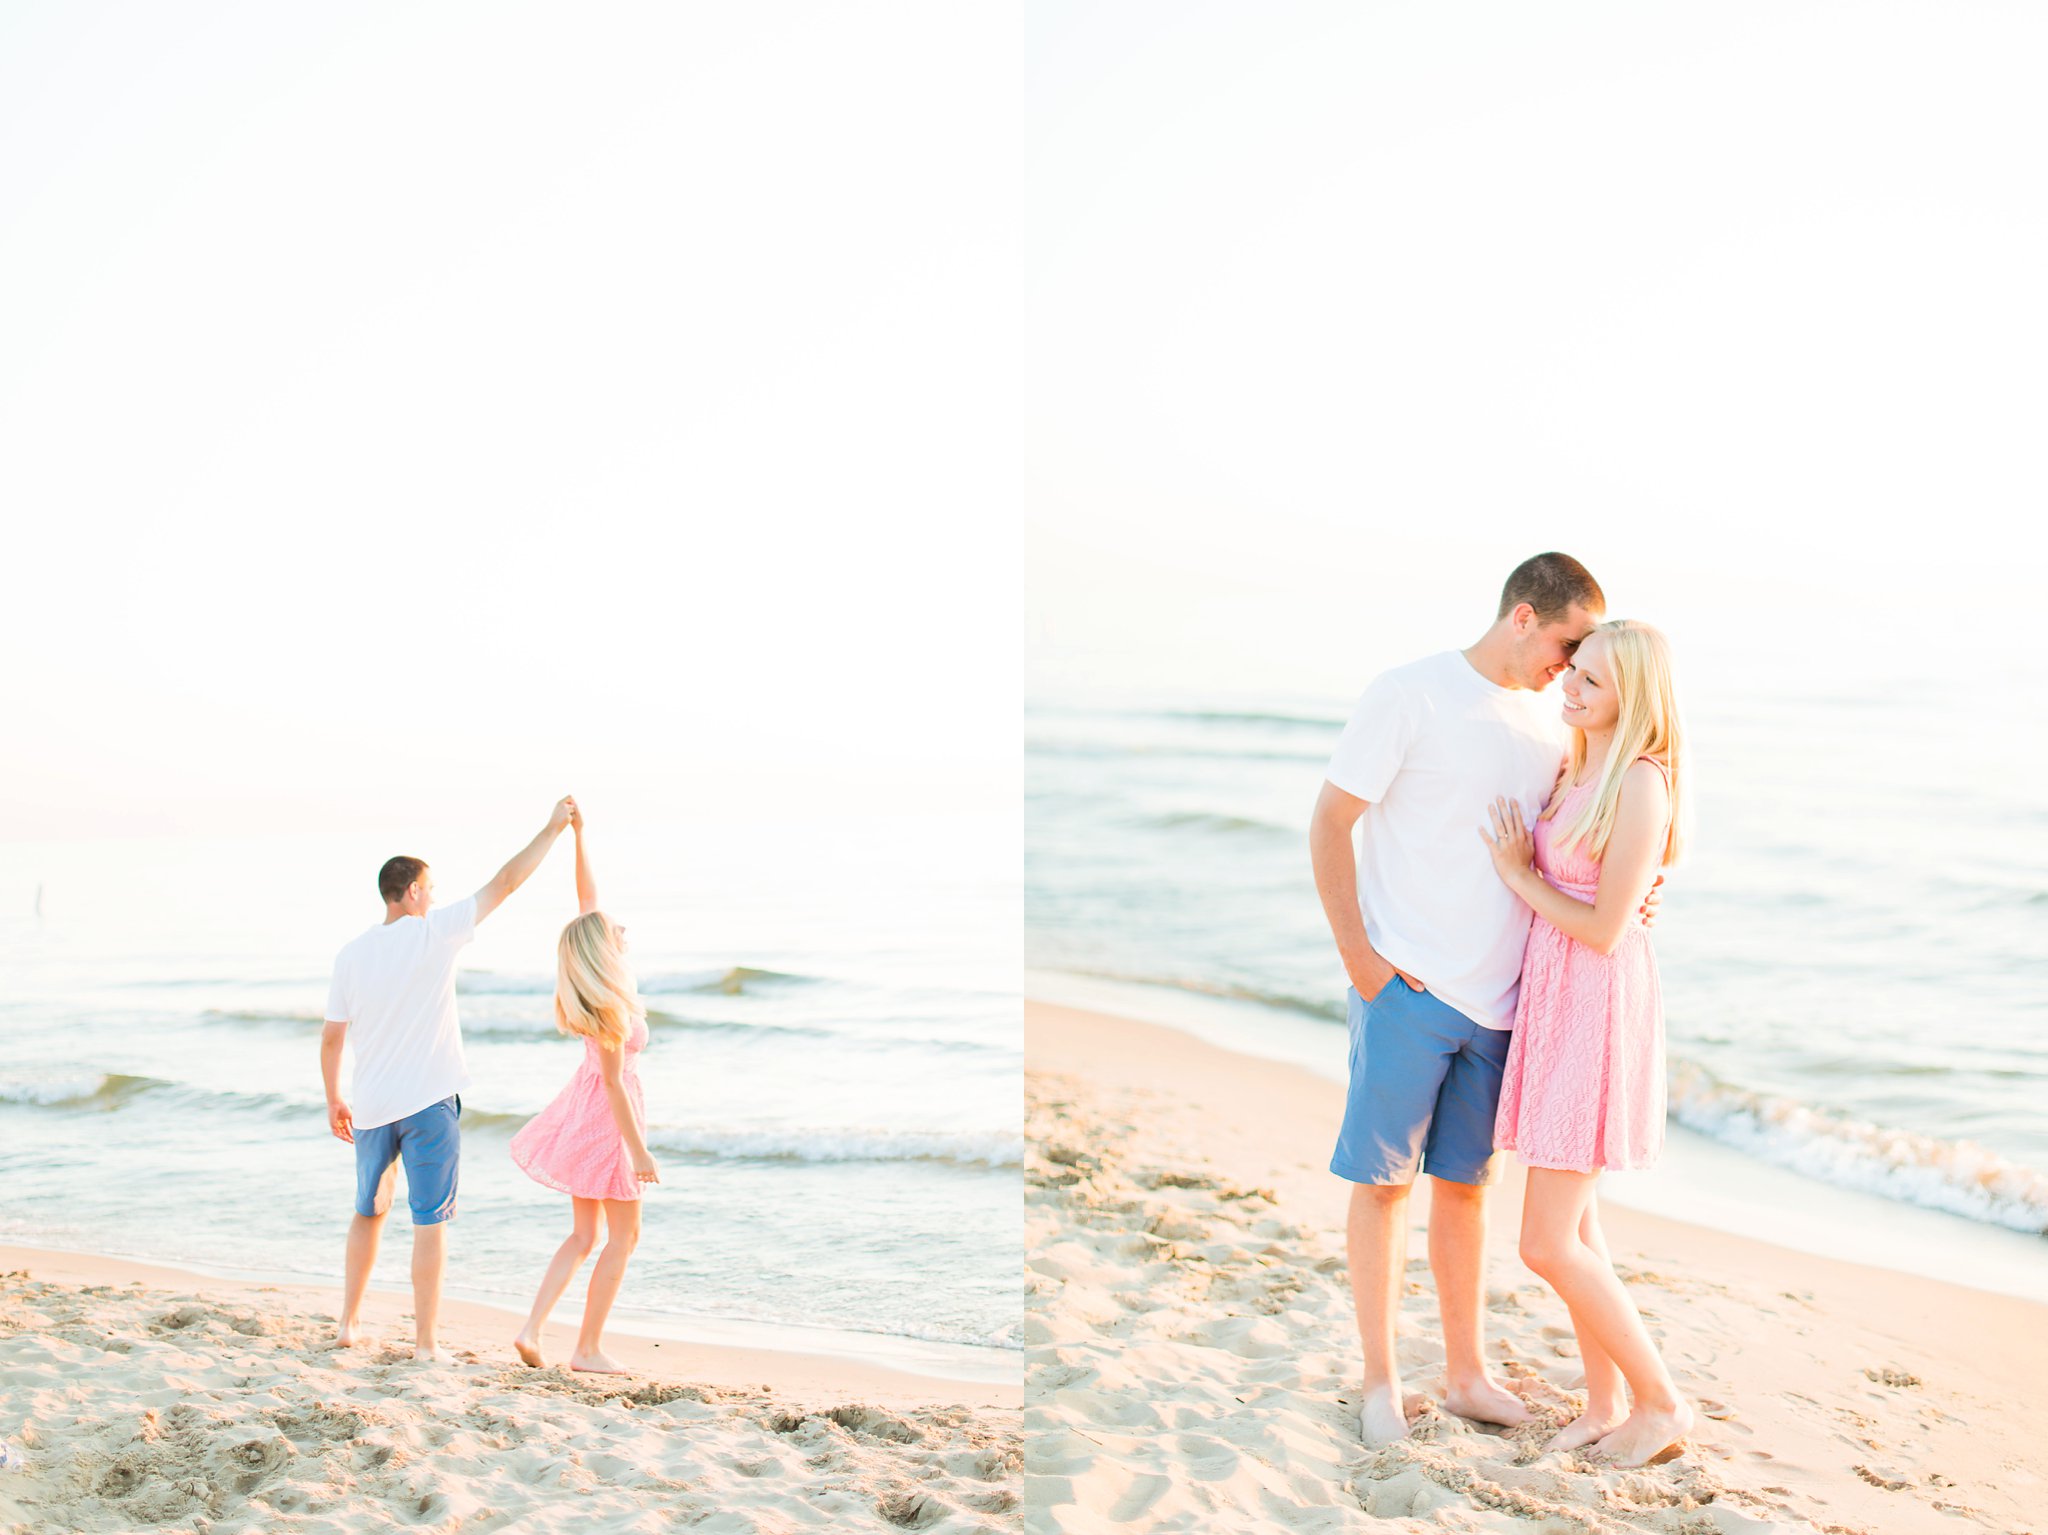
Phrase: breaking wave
x=101 y=1091
x=965 y=1148
x=1959 y=1177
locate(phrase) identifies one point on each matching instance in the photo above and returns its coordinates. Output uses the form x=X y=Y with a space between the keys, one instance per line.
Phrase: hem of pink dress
x=1576 y=1167
x=547 y=1182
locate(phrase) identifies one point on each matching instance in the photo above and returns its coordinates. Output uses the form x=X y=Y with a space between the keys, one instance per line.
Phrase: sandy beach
x=1192 y=1361
x=142 y=1397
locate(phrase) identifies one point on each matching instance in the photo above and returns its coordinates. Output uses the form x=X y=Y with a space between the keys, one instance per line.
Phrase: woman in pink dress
x=1583 y=1087
x=591 y=1142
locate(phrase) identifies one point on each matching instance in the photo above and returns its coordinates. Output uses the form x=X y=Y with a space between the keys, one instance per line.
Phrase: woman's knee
x=622 y=1224
x=1547 y=1252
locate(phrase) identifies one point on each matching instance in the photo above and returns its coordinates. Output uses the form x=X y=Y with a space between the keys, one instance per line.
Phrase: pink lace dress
x=574 y=1145
x=1584 y=1084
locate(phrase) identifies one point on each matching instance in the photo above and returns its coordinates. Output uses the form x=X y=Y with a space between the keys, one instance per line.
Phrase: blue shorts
x=1425 y=1085
x=431 y=1145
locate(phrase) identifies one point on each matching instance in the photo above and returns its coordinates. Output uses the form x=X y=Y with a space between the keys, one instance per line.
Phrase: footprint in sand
x=1721 y=1413
x=1152 y=1179
x=874 y=1423
x=1248 y=1337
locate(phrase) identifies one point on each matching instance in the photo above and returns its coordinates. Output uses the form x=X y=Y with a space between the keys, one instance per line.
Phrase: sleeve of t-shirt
x=337 y=993
x=1375 y=741
x=454 y=924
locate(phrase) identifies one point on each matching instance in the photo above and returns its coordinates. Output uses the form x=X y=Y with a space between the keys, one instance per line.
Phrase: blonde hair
x=595 y=994
x=1647 y=726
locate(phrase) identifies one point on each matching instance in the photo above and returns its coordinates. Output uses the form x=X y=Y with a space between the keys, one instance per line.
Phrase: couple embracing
x=393 y=997
x=1504 y=992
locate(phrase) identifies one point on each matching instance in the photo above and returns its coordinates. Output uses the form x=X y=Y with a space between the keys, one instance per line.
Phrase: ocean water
x=1853 y=956
x=831 y=1079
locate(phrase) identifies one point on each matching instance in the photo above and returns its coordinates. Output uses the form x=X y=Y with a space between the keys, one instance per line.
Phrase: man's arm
x=524 y=862
x=1336 y=869
x=333 y=1035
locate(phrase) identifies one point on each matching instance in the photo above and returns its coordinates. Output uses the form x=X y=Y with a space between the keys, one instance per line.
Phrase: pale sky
x=440 y=408
x=436 y=408
x=1340 y=310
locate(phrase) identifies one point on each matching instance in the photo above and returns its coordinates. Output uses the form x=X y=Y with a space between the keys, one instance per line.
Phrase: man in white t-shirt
x=393 y=997
x=1432 y=942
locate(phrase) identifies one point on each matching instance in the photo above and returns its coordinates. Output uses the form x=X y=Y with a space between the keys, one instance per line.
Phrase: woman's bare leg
x=622 y=1220
x=1554 y=1245
x=1606 y=1395
x=585 y=1214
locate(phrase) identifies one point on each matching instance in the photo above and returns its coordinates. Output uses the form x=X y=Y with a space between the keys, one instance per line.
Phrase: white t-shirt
x=394 y=987
x=1431 y=745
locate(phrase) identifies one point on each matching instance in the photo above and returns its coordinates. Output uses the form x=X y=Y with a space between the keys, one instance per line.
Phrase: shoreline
x=1187 y=1265
x=1701 y=1181
x=487 y=1330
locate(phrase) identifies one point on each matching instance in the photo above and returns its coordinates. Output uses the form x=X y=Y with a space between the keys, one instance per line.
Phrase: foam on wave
x=115 y=1090
x=103 y=1090
x=263 y=1015
x=1217 y=821
x=730 y=981
x=1321 y=723
x=967 y=1148
x=543 y=1029
x=1329 y=1011
x=1960 y=1177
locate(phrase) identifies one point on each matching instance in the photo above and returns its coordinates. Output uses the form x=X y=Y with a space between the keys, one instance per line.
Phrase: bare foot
x=528 y=1349
x=1380 y=1418
x=1594 y=1423
x=1486 y=1401
x=1648 y=1438
x=349 y=1335
x=429 y=1353
x=597 y=1362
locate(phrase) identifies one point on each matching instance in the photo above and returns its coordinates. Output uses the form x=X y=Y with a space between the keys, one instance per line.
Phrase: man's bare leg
x=364 y=1232
x=429 y=1257
x=1376 y=1243
x=1457 y=1259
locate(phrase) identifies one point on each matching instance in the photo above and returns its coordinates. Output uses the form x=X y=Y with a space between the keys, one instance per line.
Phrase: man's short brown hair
x=1553 y=584
x=396 y=877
